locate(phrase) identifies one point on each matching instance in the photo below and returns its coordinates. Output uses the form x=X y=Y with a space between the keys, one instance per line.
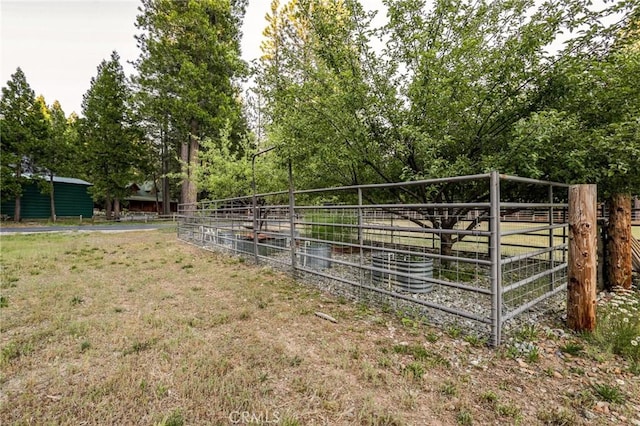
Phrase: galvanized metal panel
x=494 y=274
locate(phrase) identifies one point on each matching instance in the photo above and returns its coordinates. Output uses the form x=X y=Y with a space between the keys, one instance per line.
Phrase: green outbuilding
x=71 y=198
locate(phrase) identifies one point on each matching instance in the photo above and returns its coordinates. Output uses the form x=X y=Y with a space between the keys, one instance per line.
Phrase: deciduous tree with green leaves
x=590 y=132
x=226 y=172
x=440 y=99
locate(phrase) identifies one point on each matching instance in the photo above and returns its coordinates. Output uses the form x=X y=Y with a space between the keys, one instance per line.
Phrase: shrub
x=618 y=327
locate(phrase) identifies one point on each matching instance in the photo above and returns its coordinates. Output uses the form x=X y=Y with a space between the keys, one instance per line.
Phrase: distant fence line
x=477 y=264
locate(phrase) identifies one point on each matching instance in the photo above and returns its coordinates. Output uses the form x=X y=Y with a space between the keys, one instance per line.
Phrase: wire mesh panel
x=451 y=251
x=534 y=245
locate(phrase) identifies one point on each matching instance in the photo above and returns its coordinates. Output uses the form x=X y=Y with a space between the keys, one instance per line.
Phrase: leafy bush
x=618 y=327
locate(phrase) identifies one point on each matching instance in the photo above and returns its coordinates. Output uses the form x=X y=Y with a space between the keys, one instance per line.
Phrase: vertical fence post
x=581 y=288
x=254 y=202
x=178 y=219
x=361 y=234
x=494 y=254
x=392 y=227
x=255 y=226
x=215 y=216
x=551 y=240
x=620 y=267
x=564 y=235
x=292 y=220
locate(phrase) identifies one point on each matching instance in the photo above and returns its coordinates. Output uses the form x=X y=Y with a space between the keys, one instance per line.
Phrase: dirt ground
x=139 y=328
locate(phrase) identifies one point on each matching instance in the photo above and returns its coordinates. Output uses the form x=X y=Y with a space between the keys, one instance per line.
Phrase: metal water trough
x=266 y=244
x=316 y=256
x=408 y=273
x=226 y=238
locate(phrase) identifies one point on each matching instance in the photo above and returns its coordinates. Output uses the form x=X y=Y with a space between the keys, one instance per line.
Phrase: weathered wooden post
x=581 y=288
x=619 y=264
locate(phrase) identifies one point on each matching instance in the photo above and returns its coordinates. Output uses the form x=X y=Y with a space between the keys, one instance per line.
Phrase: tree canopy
x=23 y=128
x=456 y=88
x=590 y=131
x=112 y=143
x=451 y=88
x=188 y=68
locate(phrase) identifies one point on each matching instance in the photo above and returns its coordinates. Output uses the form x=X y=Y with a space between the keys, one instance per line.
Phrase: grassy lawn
x=139 y=328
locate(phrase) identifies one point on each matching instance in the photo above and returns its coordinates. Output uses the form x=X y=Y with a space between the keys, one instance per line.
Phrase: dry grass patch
x=117 y=329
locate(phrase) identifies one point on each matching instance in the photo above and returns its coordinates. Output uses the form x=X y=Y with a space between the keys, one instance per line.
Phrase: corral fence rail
x=454 y=250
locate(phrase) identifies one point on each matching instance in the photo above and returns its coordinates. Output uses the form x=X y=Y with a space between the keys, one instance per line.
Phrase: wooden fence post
x=581 y=288
x=619 y=265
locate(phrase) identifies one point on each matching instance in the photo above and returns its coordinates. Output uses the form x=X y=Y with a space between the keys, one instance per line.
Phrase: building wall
x=147 y=206
x=71 y=200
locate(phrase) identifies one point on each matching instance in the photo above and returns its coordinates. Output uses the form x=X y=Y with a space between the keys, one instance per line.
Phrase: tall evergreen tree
x=111 y=141
x=57 y=153
x=22 y=127
x=190 y=60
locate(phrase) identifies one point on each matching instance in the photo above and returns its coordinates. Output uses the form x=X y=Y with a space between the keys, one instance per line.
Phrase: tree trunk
x=156 y=191
x=619 y=243
x=602 y=256
x=52 y=197
x=166 y=198
x=107 y=207
x=581 y=287
x=17 y=212
x=116 y=208
x=193 y=160
x=446 y=248
x=189 y=153
x=184 y=156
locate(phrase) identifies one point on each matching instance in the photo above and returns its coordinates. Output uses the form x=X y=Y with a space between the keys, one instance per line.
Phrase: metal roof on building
x=59 y=179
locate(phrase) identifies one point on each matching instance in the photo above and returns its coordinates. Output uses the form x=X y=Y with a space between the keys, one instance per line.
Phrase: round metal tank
x=416 y=270
x=321 y=256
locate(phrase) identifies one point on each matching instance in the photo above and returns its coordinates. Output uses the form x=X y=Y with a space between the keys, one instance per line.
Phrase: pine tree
x=56 y=154
x=22 y=127
x=112 y=143
x=190 y=61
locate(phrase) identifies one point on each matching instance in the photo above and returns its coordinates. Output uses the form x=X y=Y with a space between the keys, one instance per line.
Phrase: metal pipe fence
x=450 y=251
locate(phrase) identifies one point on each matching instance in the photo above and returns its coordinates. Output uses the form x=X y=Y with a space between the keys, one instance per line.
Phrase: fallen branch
x=327 y=317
